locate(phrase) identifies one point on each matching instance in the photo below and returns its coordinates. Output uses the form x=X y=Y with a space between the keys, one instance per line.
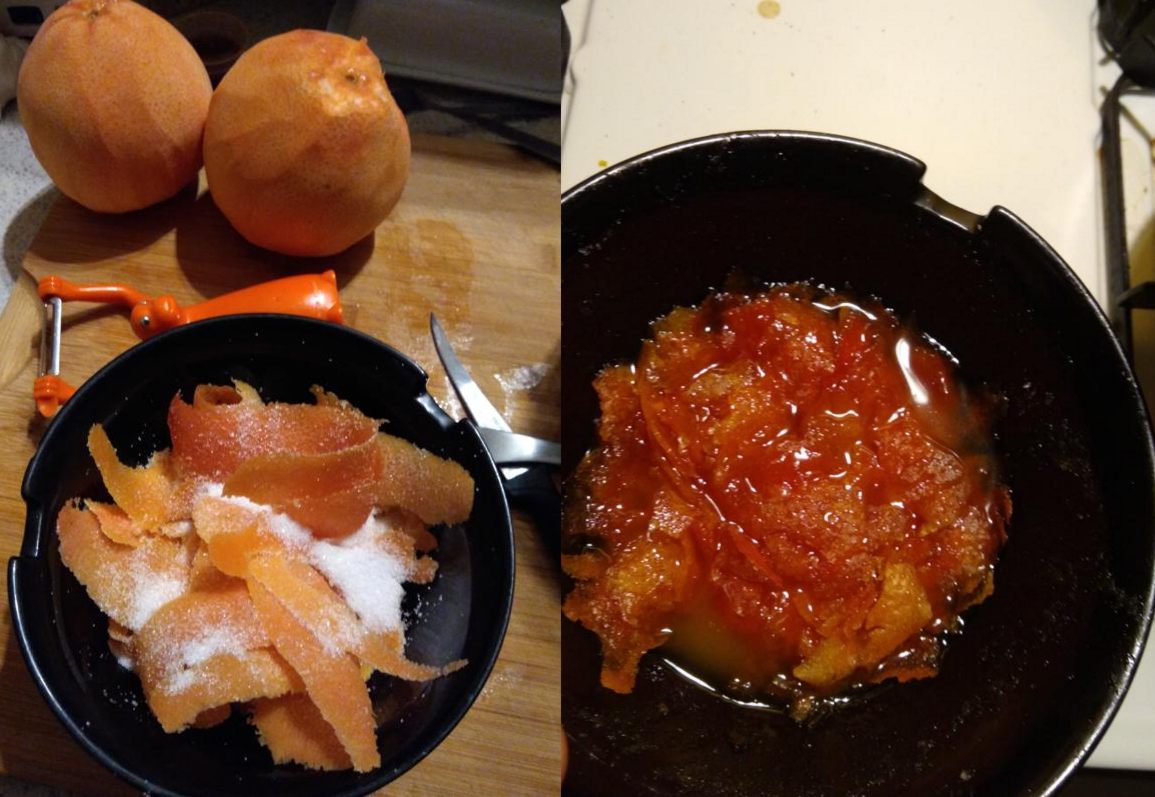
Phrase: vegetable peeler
x=311 y=295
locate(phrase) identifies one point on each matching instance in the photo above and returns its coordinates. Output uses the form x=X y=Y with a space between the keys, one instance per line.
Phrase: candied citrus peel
x=150 y=495
x=793 y=493
x=301 y=486
x=259 y=563
x=224 y=426
x=332 y=679
x=293 y=729
x=436 y=490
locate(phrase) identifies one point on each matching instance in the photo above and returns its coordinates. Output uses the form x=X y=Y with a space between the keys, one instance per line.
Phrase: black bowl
x=1030 y=685
x=62 y=634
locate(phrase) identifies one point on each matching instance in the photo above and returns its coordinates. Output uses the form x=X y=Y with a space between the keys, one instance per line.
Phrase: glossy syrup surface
x=793 y=494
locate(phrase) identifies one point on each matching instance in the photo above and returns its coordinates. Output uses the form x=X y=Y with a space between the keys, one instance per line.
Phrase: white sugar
x=366 y=576
x=523 y=377
x=150 y=590
x=520 y=378
x=177 y=528
x=287 y=530
x=181 y=671
x=338 y=633
x=180 y=681
x=217 y=640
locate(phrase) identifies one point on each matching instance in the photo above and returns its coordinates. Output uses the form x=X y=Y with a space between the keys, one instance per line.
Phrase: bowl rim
x=30 y=564
x=911 y=168
x=758 y=135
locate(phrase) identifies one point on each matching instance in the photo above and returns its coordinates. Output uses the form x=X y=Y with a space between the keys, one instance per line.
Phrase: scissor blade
x=476 y=404
x=510 y=448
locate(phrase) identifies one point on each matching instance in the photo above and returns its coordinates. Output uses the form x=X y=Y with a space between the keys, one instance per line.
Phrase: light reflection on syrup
x=918 y=391
x=808 y=708
x=844 y=304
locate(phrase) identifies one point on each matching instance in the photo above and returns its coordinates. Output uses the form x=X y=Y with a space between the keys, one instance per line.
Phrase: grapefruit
x=305 y=150
x=114 y=102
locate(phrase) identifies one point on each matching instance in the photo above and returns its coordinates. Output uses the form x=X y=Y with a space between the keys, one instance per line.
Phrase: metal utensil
x=526 y=463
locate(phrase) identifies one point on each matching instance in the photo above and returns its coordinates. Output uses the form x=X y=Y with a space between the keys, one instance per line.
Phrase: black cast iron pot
x=63 y=635
x=1028 y=688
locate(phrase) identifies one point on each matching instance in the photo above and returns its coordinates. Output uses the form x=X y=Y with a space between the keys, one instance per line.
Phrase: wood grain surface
x=475 y=239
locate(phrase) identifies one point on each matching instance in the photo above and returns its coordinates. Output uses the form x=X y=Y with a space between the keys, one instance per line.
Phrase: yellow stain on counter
x=603 y=164
x=769 y=8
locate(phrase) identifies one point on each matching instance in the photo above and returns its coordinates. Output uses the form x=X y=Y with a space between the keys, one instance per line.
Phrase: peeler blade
x=50 y=337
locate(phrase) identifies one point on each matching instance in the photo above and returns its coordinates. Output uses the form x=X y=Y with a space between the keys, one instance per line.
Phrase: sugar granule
x=522 y=377
x=181 y=671
x=519 y=378
x=150 y=590
x=287 y=530
x=367 y=577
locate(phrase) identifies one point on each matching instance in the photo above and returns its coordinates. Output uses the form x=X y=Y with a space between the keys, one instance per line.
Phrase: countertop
x=29 y=207
x=437 y=251
x=26 y=193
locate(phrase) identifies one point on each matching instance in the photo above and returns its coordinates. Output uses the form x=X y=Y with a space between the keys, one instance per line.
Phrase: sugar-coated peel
x=259 y=563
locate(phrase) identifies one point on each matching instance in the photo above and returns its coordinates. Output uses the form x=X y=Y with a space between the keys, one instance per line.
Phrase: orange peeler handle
x=54 y=286
x=311 y=295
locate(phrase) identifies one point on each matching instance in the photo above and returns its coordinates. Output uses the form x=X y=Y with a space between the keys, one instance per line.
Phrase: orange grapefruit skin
x=114 y=102
x=305 y=150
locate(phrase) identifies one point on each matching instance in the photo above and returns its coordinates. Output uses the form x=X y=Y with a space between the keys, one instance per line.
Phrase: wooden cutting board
x=475 y=239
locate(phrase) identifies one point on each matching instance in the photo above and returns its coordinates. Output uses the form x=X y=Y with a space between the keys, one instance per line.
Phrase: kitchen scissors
x=527 y=464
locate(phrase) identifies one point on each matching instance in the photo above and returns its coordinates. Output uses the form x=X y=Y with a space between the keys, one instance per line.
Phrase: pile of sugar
x=368 y=578
x=357 y=566
x=367 y=575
